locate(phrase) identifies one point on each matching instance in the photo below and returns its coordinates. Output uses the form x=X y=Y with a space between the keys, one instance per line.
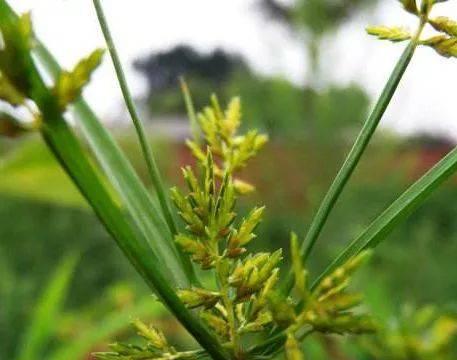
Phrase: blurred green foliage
x=278 y=106
x=43 y=218
x=424 y=333
x=36 y=229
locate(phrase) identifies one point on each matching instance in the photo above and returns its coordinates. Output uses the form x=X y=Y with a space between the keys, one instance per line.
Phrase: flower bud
x=197 y=297
x=217 y=323
x=292 y=348
x=154 y=336
x=281 y=309
x=394 y=34
x=70 y=84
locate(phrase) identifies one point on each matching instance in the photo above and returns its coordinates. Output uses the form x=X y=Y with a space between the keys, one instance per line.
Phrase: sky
x=424 y=101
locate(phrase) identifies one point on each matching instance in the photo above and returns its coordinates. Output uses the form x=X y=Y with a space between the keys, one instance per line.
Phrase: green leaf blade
x=137 y=200
x=49 y=305
x=400 y=209
x=148 y=155
x=352 y=160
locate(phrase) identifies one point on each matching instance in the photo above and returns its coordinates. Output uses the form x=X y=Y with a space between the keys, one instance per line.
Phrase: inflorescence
x=444 y=43
x=246 y=299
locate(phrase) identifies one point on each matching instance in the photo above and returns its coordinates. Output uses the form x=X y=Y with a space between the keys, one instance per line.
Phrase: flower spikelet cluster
x=16 y=78
x=216 y=237
x=245 y=298
x=327 y=308
x=156 y=347
x=444 y=42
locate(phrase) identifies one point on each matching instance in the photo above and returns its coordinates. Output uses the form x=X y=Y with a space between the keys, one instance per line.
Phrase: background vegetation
x=43 y=220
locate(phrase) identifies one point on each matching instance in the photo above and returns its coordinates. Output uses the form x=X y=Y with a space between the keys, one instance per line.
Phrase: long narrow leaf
x=353 y=158
x=400 y=209
x=380 y=228
x=153 y=169
x=191 y=113
x=43 y=322
x=144 y=211
x=70 y=154
x=141 y=132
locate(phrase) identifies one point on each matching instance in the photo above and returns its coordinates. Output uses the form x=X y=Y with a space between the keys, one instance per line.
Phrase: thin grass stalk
x=153 y=169
x=68 y=151
x=356 y=152
x=144 y=210
x=398 y=211
x=191 y=113
x=70 y=154
x=151 y=163
x=354 y=156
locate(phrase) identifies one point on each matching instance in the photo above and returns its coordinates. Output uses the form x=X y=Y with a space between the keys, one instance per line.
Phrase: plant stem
x=153 y=170
x=399 y=210
x=67 y=149
x=229 y=307
x=191 y=114
x=137 y=200
x=355 y=154
x=147 y=152
x=70 y=155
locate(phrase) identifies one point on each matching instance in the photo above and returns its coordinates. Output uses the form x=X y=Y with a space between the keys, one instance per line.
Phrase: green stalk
x=145 y=212
x=147 y=152
x=191 y=113
x=224 y=289
x=70 y=154
x=400 y=209
x=72 y=158
x=354 y=156
x=356 y=152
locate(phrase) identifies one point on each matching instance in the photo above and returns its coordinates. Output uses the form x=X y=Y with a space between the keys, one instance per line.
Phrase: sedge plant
x=250 y=310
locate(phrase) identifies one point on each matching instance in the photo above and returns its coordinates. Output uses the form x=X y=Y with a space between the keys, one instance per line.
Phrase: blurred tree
x=206 y=72
x=282 y=108
x=314 y=18
x=163 y=69
x=323 y=114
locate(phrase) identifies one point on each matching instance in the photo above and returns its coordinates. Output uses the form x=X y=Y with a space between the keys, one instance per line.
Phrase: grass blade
x=43 y=322
x=353 y=158
x=70 y=154
x=191 y=113
x=147 y=152
x=400 y=209
x=144 y=211
x=357 y=151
